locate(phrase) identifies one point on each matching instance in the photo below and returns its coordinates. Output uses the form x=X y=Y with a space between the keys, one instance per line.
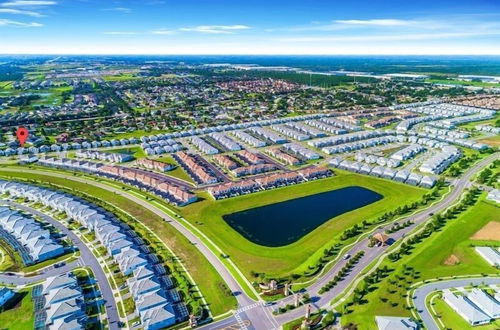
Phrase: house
x=158 y=317
x=117 y=246
x=150 y=300
x=485 y=302
x=494 y=195
x=395 y=323
x=467 y=310
x=490 y=254
x=427 y=182
x=127 y=265
x=5 y=295
x=143 y=286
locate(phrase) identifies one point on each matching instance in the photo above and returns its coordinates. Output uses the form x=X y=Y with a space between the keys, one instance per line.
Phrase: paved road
x=87 y=259
x=422 y=292
x=261 y=316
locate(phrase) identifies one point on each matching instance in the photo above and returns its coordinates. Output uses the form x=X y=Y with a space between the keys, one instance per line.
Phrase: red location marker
x=22 y=135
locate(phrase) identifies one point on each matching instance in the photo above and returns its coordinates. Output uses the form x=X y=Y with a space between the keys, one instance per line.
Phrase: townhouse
x=283 y=157
x=225 y=161
x=196 y=168
x=226 y=141
x=37 y=241
x=127 y=250
x=154 y=182
x=104 y=156
x=249 y=139
x=301 y=151
x=155 y=165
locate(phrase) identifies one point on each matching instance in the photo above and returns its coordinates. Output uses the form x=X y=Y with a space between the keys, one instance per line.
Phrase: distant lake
x=285 y=222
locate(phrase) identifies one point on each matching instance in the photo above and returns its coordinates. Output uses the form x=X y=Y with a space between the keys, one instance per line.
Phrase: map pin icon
x=22 y=135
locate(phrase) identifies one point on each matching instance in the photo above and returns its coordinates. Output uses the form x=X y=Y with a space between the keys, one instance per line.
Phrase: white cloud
x=20 y=12
x=375 y=22
x=28 y=3
x=391 y=37
x=122 y=33
x=163 y=32
x=215 y=29
x=123 y=10
x=8 y=22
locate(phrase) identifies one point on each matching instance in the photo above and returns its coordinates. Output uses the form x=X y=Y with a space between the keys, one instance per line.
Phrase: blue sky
x=249 y=27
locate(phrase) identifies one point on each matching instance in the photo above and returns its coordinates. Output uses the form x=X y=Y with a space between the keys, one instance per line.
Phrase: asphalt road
x=86 y=259
x=422 y=292
x=257 y=314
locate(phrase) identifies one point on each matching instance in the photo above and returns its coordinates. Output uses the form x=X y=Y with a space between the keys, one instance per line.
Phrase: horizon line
x=241 y=54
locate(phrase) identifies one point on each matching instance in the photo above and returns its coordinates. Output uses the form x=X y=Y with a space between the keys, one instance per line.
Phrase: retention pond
x=285 y=222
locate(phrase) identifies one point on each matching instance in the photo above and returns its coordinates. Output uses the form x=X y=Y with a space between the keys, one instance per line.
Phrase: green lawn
x=205 y=276
x=296 y=257
x=462 y=82
x=137 y=152
x=121 y=77
x=136 y=134
x=20 y=316
x=10 y=260
x=429 y=261
x=177 y=172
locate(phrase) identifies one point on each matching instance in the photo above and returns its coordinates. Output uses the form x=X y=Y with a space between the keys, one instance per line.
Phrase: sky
x=308 y=27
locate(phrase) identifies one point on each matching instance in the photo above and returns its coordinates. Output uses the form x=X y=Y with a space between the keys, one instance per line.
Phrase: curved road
x=422 y=292
x=260 y=316
x=87 y=259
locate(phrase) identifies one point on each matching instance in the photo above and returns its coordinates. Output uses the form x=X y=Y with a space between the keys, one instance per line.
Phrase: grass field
x=121 y=77
x=296 y=257
x=9 y=260
x=177 y=172
x=205 y=276
x=20 y=316
x=136 y=134
x=429 y=260
x=134 y=151
x=462 y=82
x=493 y=141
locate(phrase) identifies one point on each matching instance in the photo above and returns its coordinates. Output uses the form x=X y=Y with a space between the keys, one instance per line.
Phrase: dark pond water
x=285 y=222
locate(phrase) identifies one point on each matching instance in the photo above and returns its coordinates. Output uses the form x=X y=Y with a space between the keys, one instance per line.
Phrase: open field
x=492 y=141
x=429 y=260
x=200 y=269
x=462 y=82
x=121 y=77
x=296 y=257
x=136 y=134
x=489 y=232
x=134 y=151
x=19 y=316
